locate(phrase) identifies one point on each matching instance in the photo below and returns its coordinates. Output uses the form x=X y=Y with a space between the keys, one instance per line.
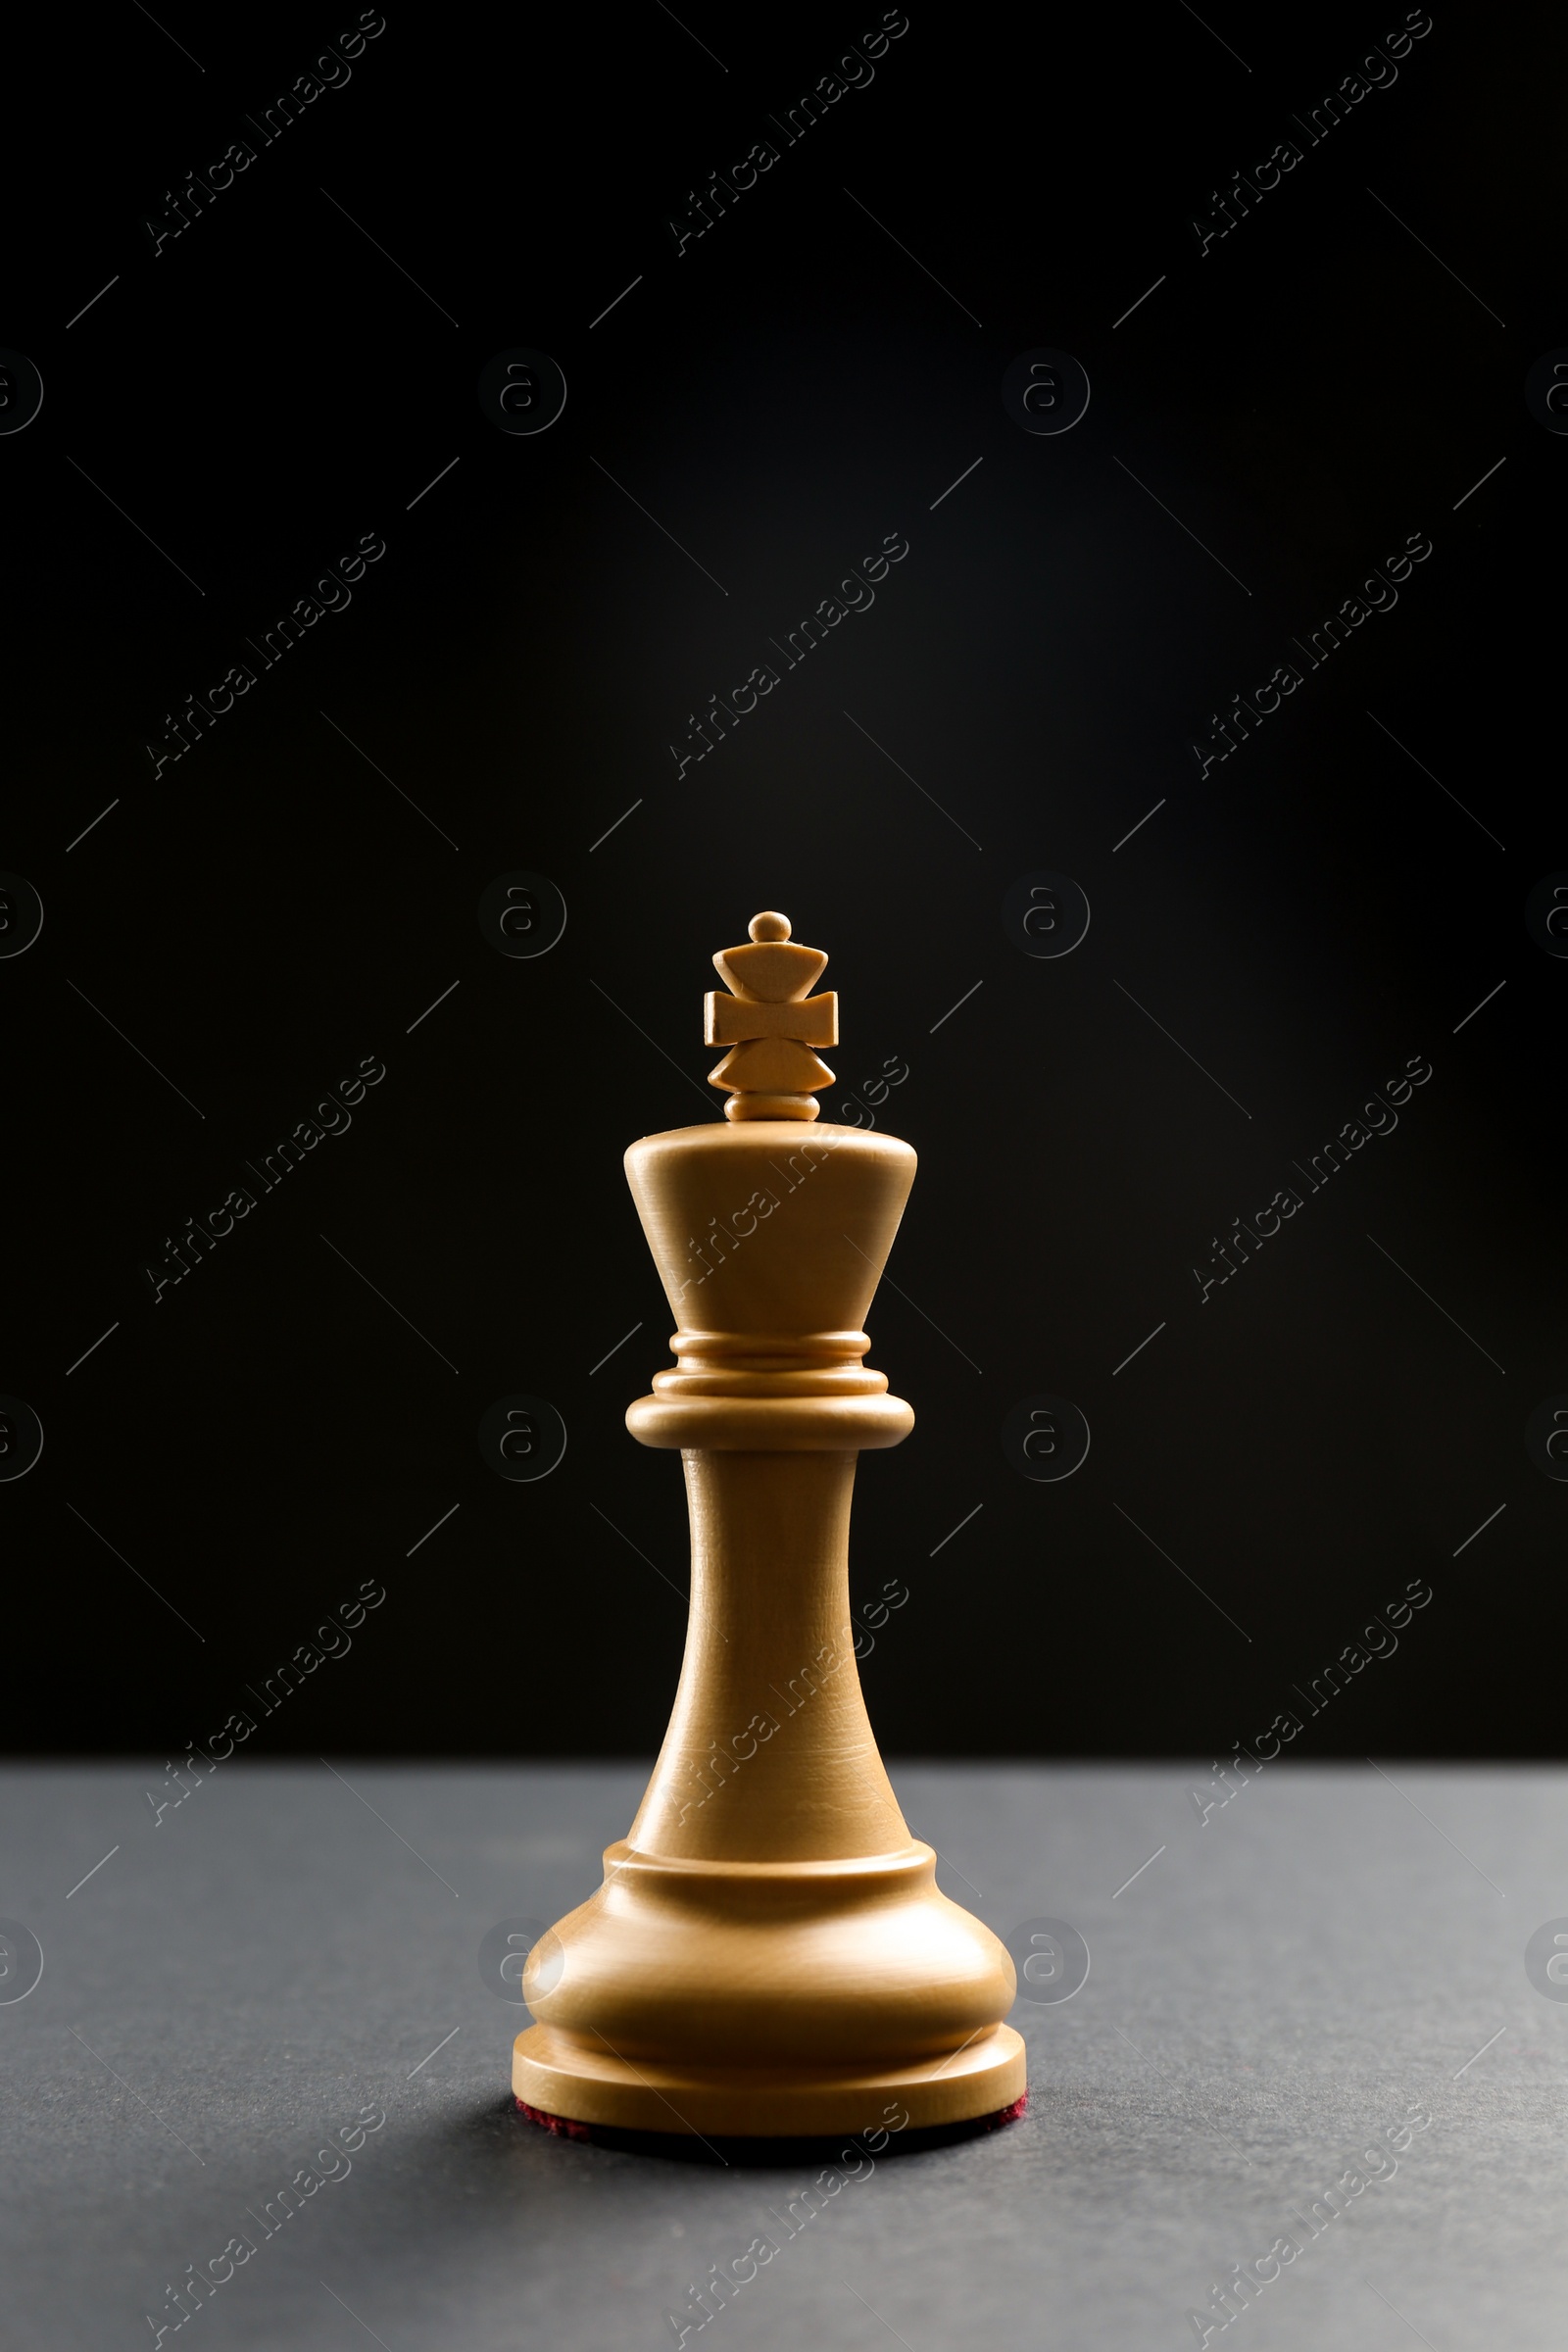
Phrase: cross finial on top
x=770 y=1024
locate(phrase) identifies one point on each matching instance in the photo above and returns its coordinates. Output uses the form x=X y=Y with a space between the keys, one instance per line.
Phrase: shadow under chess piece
x=769 y=1954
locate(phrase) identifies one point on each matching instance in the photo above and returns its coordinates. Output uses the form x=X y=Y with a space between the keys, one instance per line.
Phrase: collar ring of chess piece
x=771 y=1024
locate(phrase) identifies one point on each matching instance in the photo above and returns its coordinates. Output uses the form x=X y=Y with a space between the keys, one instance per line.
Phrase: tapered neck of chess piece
x=770 y=1953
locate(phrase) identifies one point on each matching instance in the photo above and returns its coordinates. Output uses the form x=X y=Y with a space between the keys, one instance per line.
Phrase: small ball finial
x=769 y=927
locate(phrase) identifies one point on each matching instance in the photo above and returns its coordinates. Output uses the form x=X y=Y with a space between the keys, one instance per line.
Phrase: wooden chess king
x=769 y=1954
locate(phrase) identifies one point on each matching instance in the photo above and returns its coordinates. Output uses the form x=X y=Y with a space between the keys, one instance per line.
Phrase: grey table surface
x=1267 y=1999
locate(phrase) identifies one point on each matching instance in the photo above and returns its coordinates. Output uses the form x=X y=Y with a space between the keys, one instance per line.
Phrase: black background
x=786 y=392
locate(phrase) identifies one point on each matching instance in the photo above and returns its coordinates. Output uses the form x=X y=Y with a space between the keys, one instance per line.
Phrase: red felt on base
x=566 y=2127
x=562 y=2125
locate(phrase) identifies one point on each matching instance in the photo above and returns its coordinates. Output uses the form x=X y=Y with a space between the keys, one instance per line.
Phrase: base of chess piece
x=770 y=1999
x=890 y=2136
x=769 y=1954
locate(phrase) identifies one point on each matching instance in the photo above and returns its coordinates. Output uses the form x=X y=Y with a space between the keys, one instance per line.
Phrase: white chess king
x=769 y=1954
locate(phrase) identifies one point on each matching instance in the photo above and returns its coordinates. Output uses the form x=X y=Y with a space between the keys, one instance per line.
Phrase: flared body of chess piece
x=769 y=1954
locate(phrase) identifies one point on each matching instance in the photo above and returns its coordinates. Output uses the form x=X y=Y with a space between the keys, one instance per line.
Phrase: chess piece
x=769 y=1954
